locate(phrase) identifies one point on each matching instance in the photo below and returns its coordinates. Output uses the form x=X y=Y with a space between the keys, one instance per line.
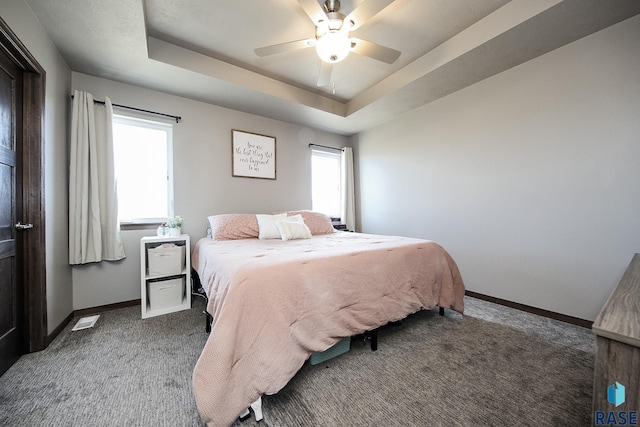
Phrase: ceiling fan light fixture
x=333 y=46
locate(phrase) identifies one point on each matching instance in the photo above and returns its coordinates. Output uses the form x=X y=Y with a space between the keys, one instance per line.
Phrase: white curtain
x=94 y=230
x=348 y=204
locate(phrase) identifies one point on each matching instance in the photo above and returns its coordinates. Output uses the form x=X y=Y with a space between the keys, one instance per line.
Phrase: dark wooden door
x=12 y=328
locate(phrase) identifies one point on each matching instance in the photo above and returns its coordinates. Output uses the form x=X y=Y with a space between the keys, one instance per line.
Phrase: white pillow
x=293 y=227
x=267 y=226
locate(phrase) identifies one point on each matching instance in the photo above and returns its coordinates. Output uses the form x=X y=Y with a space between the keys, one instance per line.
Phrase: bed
x=274 y=302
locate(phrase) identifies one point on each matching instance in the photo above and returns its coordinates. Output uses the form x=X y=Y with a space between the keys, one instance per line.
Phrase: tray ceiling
x=204 y=50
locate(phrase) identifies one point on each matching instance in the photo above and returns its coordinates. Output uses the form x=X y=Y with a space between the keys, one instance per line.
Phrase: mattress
x=275 y=302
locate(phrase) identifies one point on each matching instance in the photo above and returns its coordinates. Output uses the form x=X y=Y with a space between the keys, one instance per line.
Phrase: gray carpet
x=494 y=366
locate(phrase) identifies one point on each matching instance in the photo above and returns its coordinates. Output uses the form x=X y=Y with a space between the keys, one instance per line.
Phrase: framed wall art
x=253 y=155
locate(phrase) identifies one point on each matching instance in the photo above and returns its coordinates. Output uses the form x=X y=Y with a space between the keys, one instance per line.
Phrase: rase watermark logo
x=615 y=394
x=616 y=397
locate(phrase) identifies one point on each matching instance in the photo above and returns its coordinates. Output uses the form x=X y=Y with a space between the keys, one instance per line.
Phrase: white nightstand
x=166 y=286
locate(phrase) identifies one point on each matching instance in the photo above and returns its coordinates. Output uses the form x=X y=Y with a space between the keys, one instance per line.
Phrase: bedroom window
x=326 y=182
x=144 y=170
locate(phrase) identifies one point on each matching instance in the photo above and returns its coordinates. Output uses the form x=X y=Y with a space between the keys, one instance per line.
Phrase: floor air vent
x=86 y=322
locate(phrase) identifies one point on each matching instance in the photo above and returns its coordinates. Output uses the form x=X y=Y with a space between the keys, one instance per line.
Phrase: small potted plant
x=174 y=224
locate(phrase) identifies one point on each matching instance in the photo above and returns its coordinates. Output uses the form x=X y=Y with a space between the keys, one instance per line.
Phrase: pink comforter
x=276 y=302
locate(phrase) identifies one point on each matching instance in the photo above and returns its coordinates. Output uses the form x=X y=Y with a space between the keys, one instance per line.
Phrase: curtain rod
x=176 y=118
x=324 y=146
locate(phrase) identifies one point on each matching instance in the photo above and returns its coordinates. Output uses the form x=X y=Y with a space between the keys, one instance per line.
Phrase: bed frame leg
x=374 y=340
x=372 y=336
x=441 y=311
x=208 y=319
x=198 y=290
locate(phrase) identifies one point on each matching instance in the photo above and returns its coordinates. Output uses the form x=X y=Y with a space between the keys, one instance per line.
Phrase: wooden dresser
x=618 y=344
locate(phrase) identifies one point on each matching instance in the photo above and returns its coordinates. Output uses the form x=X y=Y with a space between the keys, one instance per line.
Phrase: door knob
x=20 y=226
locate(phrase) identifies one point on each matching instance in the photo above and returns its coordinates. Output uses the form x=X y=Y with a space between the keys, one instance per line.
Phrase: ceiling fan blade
x=284 y=47
x=374 y=50
x=324 y=78
x=313 y=9
x=367 y=10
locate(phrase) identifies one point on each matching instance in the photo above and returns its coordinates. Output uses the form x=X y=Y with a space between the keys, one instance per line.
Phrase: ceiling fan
x=333 y=41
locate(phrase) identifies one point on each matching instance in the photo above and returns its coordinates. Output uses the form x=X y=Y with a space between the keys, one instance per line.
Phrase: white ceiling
x=203 y=49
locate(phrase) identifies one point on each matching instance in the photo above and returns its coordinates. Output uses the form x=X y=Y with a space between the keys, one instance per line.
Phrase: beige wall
x=203 y=184
x=58 y=83
x=530 y=178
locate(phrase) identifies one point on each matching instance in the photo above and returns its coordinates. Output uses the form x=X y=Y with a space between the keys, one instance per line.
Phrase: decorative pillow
x=317 y=222
x=233 y=226
x=267 y=226
x=293 y=227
